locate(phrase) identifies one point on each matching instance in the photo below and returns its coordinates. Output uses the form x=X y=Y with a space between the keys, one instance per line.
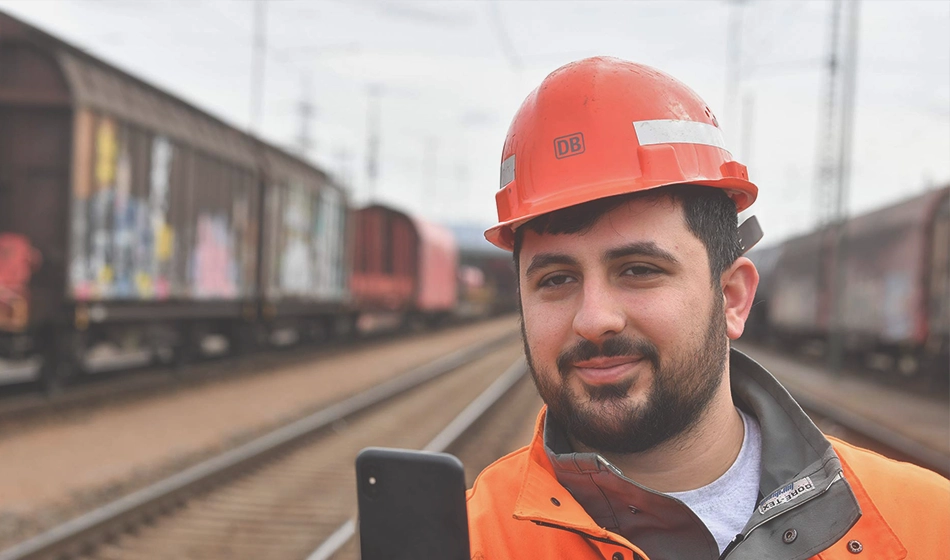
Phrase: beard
x=604 y=419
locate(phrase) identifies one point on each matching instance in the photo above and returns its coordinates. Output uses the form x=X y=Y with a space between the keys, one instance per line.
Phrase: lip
x=605 y=371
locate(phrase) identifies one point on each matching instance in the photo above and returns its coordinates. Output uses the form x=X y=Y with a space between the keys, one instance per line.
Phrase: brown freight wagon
x=404 y=268
x=488 y=285
x=895 y=297
x=129 y=216
x=757 y=326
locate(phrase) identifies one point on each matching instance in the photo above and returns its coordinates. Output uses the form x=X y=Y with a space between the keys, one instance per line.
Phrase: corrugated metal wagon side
x=305 y=266
x=487 y=281
x=886 y=259
x=895 y=294
x=436 y=293
x=936 y=349
x=405 y=270
x=385 y=260
x=799 y=298
x=129 y=218
x=36 y=124
x=758 y=326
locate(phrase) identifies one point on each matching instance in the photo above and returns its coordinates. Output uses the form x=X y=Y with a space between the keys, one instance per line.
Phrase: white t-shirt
x=726 y=504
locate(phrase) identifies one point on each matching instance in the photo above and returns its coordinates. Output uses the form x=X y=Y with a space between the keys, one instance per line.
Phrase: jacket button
x=855 y=547
x=617 y=556
x=790 y=536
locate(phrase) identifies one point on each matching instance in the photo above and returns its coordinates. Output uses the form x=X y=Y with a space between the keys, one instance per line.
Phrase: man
x=657 y=442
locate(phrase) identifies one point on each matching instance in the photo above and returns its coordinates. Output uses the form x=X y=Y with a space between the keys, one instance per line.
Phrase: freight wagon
x=131 y=219
x=487 y=281
x=130 y=216
x=895 y=298
x=404 y=269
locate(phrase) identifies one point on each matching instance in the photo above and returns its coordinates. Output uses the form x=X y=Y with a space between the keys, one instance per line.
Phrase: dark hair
x=710 y=215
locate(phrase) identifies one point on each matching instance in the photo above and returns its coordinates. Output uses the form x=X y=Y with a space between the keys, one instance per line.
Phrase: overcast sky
x=453 y=73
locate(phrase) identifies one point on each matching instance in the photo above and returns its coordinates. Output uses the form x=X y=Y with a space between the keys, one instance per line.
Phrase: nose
x=600 y=315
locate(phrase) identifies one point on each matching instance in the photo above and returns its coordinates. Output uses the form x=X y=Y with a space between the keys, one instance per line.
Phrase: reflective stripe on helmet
x=678 y=132
x=507 y=171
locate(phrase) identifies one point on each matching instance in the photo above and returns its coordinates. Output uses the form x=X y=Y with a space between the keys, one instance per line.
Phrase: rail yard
x=201 y=328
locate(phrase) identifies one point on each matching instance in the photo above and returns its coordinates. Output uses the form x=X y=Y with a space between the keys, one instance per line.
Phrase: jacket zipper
x=741 y=537
x=735 y=542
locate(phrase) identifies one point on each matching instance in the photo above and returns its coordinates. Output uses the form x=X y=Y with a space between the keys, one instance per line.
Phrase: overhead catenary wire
x=258 y=60
x=734 y=63
x=305 y=113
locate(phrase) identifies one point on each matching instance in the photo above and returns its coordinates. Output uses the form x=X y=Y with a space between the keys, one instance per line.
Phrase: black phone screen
x=411 y=505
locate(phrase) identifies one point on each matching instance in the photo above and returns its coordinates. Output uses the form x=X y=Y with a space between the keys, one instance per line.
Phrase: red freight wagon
x=403 y=264
x=385 y=258
x=437 y=288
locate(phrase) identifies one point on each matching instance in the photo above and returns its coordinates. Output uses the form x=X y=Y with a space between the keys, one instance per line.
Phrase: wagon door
x=35 y=130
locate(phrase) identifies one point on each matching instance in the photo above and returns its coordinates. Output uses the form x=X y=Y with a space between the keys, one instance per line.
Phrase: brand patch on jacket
x=786 y=493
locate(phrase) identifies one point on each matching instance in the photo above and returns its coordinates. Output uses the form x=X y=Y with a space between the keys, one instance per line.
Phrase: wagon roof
x=98 y=85
x=913 y=212
x=281 y=166
x=430 y=234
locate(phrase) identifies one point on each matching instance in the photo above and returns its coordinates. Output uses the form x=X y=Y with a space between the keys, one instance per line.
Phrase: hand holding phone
x=411 y=505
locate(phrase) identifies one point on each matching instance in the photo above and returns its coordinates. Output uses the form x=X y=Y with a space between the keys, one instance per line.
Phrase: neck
x=692 y=460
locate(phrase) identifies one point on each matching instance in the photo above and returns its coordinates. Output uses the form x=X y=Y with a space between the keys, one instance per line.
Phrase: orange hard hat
x=601 y=127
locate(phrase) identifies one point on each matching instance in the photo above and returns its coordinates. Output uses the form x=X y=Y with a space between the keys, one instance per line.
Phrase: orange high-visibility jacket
x=518 y=510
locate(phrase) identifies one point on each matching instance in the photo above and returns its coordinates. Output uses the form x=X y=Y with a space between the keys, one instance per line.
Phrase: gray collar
x=801 y=485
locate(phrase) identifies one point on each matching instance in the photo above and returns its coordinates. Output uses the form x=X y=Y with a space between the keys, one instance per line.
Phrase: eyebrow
x=640 y=248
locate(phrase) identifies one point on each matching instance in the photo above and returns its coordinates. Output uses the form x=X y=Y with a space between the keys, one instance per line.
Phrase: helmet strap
x=750 y=233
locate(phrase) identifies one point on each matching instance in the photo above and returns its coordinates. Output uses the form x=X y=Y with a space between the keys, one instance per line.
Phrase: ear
x=739 y=282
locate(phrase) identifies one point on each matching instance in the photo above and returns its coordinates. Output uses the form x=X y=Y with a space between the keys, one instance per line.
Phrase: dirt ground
x=54 y=470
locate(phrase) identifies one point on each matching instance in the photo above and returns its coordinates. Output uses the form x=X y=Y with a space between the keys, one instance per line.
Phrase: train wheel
x=344 y=326
x=415 y=322
x=907 y=365
x=187 y=346
x=318 y=332
x=62 y=359
x=243 y=339
x=937 y=368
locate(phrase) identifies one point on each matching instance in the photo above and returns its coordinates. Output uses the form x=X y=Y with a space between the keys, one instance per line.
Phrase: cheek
x=548 y=328
x=667 y=316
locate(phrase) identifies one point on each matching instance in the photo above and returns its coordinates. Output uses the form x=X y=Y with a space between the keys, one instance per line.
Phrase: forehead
x=657 y=220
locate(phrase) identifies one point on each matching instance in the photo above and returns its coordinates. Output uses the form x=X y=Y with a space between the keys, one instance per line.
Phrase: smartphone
x=411 y=505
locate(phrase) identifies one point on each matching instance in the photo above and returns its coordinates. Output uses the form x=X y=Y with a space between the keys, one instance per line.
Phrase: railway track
x=291 y=494
x=27 y=401
x=862 y=432
x=282 y=495
x=854 y=406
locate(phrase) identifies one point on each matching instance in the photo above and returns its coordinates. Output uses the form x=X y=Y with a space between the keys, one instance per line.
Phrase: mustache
x=611 y=348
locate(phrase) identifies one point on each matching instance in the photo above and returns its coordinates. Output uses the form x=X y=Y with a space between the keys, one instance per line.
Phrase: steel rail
x=82 y=533
x=26 y=400
x=912 y=449
x=442 y=441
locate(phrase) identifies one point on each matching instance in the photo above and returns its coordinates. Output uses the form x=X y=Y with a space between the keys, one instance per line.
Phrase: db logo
x=570 y=145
